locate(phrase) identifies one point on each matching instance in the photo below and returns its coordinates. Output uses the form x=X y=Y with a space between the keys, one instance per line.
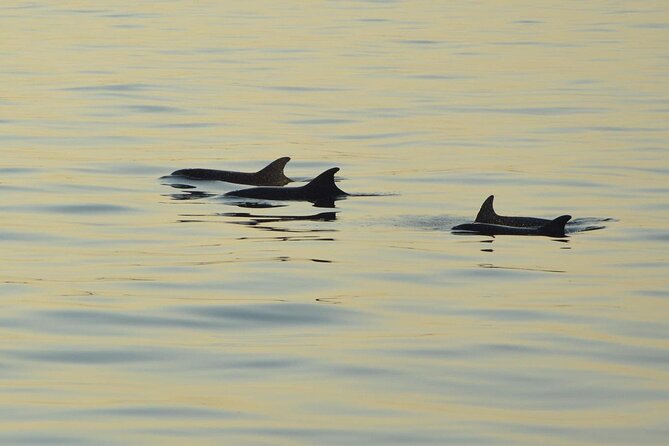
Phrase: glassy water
x=137 y=310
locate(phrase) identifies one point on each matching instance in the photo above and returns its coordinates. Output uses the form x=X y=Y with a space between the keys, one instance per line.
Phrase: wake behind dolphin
x=321 y=188
x=271 y=175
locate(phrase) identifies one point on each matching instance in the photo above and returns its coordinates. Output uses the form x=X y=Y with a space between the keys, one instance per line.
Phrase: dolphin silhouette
x=321 y=188
x=554 y=228
x=487 y=214
x=271 y=175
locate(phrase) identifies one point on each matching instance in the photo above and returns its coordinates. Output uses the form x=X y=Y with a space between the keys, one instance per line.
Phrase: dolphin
x=321 y=188
x=487 y=215
x=271 y=175
x=554 y=228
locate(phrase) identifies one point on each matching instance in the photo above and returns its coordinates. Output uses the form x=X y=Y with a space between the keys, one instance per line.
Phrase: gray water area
x=138 y=308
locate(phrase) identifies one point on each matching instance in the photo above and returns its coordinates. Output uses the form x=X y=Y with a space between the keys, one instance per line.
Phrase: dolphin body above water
x=487 y=214
x=554 y=228
x=271 y=175
x=321 y=188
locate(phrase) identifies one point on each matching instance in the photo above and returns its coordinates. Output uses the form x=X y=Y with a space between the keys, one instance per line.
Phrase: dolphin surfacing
x=487 y=214
x=271 y=175
x=322 y=187
x=554 y=228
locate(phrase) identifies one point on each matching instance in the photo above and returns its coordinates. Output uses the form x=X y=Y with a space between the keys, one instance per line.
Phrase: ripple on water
x=276 y=316
x=212 y=361
x=114 y=87
x=144 y=108
x=32 y=237
x=166 y=412
x=93 y=208
x=17 y=170
x=87 y=356
x=45 y=439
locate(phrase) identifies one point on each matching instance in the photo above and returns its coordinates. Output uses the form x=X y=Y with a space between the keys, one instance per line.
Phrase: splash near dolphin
x=554 y=228
x=271 y=175
x=487 y=214
x=321 y=188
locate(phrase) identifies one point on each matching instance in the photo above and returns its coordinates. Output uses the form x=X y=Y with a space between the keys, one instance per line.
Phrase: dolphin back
x=555 y=228
x=320 y=188
x=200 y=174
x=272 y=174
x=323 y=186
x=488 y=215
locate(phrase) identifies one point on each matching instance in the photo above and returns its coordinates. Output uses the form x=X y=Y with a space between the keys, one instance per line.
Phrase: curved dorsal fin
x=555 y=228
x=324 y=184
x=486 y=213
x=273 y=172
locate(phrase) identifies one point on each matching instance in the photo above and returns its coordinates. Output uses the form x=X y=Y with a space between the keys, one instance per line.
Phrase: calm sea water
x=137 y=312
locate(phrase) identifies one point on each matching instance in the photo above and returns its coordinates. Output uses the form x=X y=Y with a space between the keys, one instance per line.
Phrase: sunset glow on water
x=139 y=308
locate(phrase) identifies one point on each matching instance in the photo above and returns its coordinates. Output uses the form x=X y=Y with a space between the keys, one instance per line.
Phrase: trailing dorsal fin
x=555 y=228
x=487 y=213
x=324 y=184
x=273 y=172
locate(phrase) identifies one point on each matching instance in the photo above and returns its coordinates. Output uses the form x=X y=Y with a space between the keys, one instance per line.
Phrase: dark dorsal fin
x=555 y=228
x=487 y=213
x=324 y=185
x=273 y=172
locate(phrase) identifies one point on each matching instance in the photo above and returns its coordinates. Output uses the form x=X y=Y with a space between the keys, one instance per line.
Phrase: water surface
x=139 y=310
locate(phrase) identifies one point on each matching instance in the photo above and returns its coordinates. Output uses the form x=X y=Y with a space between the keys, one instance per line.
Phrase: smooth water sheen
x=141 y=310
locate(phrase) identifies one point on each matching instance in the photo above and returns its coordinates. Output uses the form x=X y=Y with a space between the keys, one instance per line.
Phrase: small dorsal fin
x=487 y=212
x=274 y=171
x=324 y=184
x=555 y=228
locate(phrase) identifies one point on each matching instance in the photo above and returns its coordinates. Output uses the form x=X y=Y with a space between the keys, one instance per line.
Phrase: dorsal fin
x=487 y=213
x=273 y=172
x=324 y=184
x=555 y=228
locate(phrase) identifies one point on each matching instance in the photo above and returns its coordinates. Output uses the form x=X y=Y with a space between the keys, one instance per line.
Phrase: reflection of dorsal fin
x=273 y=172
x=556 y=227
x=486 y=213
x=324 y=185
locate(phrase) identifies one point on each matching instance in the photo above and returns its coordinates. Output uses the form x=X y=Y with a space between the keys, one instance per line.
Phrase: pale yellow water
x=134 y=312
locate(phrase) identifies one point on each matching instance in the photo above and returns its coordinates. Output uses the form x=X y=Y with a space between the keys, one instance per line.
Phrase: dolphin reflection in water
x=255 y=219
x=271 y=175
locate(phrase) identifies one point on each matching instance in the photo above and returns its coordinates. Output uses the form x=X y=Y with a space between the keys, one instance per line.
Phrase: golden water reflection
x=140 y=311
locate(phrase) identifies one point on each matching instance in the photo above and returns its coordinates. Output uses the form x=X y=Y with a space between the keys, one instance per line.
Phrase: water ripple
x=87 y=356
x=225 y=317
x=93 y=208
